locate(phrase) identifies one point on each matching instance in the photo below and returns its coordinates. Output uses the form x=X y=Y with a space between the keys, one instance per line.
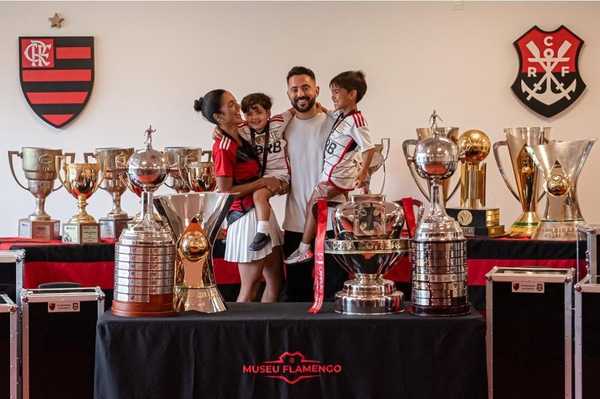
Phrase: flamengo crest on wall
x=57 y=76
x=548 y=80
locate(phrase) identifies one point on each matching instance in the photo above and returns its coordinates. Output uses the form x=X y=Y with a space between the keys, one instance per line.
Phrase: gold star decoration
x=56 y=21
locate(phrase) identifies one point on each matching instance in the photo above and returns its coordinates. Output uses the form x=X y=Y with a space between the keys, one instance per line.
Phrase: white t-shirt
x=306 y=140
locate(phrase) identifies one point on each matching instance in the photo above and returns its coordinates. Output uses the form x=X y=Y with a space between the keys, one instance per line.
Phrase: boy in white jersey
x=265 y=133
x=348 y=139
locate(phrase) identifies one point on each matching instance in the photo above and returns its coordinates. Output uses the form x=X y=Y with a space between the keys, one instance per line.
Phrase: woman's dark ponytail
x=210 y=104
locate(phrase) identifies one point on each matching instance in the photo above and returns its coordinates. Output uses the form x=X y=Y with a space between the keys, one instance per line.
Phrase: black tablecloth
x=281 y=351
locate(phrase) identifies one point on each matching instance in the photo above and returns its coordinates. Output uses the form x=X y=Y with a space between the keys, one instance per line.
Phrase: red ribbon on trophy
x=319 y=270
x=409 y=215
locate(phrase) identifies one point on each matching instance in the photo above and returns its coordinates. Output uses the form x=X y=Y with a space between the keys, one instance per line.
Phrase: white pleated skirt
x=241 y=233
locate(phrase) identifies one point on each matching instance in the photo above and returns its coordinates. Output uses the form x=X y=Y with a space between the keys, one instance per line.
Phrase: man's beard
x=310 y=102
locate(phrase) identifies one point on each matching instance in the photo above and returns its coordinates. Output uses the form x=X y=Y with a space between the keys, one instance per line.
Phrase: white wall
x=153 y=59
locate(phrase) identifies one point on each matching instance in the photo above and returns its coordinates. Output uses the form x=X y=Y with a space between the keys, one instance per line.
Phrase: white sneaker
x=299 y=256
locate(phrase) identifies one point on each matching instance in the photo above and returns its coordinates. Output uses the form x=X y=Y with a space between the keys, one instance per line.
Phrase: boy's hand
x=361 y=180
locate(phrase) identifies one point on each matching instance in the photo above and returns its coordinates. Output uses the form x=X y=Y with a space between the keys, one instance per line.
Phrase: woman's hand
x=271 y=183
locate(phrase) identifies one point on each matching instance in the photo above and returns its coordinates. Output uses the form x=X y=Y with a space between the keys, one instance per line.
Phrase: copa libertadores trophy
x=113 y=162
x=40 y=172
x=195 y=220
x=81 y=180
x=561 y=163
x=472 y=214
x=438 y=250
x=450 y=133
x=367 y=244
x=145 y=253
x=527 y=175
x=178 y=158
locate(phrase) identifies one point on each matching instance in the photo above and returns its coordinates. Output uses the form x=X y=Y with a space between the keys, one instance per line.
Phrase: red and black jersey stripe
x=58 y=92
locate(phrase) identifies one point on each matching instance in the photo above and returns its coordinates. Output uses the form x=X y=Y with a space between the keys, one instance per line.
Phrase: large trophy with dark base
x=561 y=163
x=145 y=254
x=438 y=251
x=195 y=220
x=424 y=133
x=178 y=158
x=367 y=244
x=40 y=172
x=81 y=180
x=472 y=214
x=527 y=175
x=113 y=162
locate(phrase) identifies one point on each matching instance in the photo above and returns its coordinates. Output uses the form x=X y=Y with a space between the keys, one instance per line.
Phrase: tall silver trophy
x=409 y=148
x=195 y=220
x=113 y=162
x=438 y=251
x=367 y=244
x=527 y=175
x=145 y=253
x=561 y=163
x=40 y=172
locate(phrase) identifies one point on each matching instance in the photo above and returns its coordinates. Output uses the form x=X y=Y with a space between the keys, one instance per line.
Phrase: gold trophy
x=561 y=163
x=177 y=160
x=527 y=175
x=424 y=133
x=40 y=171
x=201 y=174
x=113 y=163
x=81 y=180
x=475 y=219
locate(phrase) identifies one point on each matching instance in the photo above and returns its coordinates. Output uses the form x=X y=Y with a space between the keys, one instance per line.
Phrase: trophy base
x=158 y=306
x=40 y=229
x=81 y=233
x=205 y=300
x=525 y=226
x=111 y=228
x=557 y=231
x=371 y=297
x=478 y=222
x=452 y=310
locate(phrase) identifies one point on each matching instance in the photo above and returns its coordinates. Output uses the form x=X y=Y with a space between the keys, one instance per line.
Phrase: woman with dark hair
x=237 y=170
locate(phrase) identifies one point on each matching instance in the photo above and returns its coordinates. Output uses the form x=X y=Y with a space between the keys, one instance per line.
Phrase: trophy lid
x=147 y=168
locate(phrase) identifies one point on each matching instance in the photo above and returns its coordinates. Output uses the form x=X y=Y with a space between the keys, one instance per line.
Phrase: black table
x=281 y=351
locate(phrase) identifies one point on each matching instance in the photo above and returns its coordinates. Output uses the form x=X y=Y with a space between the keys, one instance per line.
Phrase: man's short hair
x=351 y=80
x=254 y=99
x=300 y=70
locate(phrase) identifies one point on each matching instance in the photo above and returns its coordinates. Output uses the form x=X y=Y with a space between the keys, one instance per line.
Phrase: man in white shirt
x=306 y=135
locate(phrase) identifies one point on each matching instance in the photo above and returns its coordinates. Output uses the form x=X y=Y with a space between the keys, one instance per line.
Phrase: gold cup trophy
x=473 y=216
x=113 y=163
x=200 y=174
x=81 y=180
x=178 y=159
x=40 y=172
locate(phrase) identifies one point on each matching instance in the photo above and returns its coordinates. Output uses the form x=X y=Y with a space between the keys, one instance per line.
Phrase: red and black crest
x=57 y=76
x=548 y=80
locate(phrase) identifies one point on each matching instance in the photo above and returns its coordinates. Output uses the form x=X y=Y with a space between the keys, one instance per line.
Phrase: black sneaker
x=259 y=242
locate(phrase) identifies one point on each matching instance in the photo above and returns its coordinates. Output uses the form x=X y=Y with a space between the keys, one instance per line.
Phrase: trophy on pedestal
x=527 y=175
x=40 y=171
x=472 y=214
x=367 y=244
x=201 y=174
x=561 y=163
x=438 y=251
x=113 y=163
x=451 y=133
x=145 y=253
x=81 y=180
x=195 y=220
x=178 y=158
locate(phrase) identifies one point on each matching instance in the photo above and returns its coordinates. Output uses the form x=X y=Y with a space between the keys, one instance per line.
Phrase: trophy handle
x=11 y=154
x=209 y=152
x=71 y=156
x=88 y=155
x=410 y=161
x=497 y=146
x=58 y=163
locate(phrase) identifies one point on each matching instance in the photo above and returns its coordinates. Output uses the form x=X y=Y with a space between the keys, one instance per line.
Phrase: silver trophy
x=451 y=133
x=145 y=254
x=40 y=172
x=195 y=220
x=367 y=244
x=561 y=163
x=178 y=159
x=438 y=251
